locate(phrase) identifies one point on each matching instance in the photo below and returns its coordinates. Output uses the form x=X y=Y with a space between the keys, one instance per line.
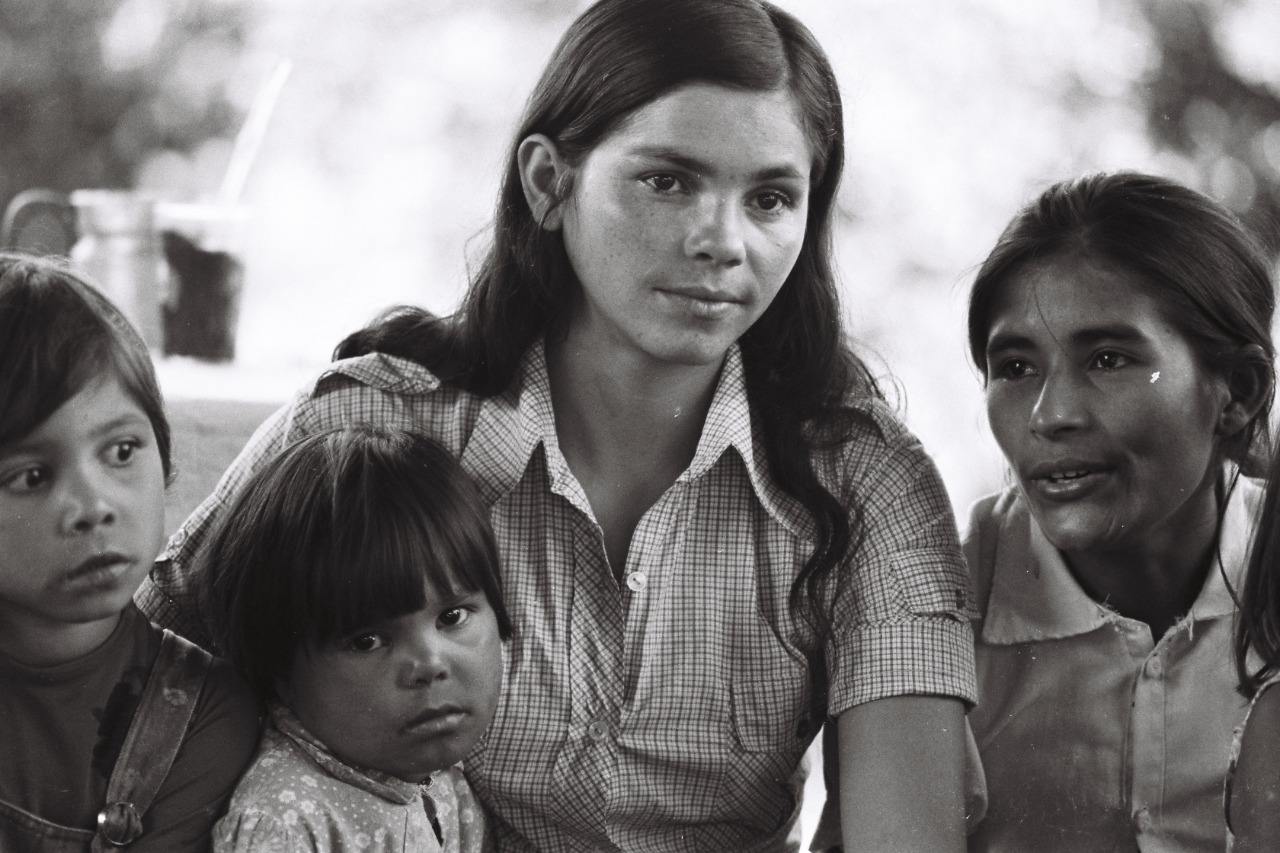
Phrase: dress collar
x=1035 y=597
x=375 y=782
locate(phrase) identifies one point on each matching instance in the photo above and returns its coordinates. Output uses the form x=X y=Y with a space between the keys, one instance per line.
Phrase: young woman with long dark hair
x=714 y=533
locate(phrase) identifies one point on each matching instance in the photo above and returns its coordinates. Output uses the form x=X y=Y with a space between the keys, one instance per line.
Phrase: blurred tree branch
x=1199 y=106
x=88 y=90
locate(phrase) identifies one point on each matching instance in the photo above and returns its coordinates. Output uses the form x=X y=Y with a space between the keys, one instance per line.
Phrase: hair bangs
x=57 y=334
x=403 y=528
x=373 y=571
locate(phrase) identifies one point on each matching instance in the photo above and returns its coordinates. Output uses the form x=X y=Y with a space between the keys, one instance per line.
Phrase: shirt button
x=1155 y=668
x=1142 y=819
x=637 y=581
x=597 y=730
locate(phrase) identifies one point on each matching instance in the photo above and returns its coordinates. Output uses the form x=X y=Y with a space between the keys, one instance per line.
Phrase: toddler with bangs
x=354 y=581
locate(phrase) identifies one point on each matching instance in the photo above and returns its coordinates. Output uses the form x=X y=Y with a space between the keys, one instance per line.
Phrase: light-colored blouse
x=297 y=797
x=1094 y=735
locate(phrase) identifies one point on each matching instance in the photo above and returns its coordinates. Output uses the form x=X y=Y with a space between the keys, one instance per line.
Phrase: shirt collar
x=509 y=427
x=379 y=784
x=512 y=425
x=729 y=425
x=1034 y=596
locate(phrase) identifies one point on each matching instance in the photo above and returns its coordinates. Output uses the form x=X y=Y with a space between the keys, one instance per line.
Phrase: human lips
x=708 y=303
x=440 y=719
x=1066 y=479
x=104 y=567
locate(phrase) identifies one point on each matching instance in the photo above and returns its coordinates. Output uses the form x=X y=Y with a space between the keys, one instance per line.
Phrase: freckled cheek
x=780 y=248
x=614 y=239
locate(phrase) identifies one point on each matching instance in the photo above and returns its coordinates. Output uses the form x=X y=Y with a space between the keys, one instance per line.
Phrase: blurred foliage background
x=379 y=169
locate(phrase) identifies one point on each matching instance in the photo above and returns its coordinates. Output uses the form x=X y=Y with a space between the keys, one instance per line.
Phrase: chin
x=102 y=606
x=1071 y=530
x=699 y=353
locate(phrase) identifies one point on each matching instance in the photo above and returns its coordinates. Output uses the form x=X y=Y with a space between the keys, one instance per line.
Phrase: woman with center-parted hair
x=714 y=534
x=1122 y=326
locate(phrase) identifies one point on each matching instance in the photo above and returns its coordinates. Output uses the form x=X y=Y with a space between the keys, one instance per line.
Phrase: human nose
x=716 y=235
x=87 y=503
x=1061 y=405
x=424 y=659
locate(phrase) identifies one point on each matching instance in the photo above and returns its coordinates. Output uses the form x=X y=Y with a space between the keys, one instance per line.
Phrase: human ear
x=1249 y=387
x=544 y=178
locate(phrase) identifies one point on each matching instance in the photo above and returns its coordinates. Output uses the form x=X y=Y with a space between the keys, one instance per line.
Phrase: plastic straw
x=249 y=139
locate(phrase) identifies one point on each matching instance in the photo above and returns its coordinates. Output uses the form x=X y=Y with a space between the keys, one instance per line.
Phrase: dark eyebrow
x=28 y=444
x=132 y=419
x=1006 y=341
x=1118 y=332
x=1093 y=335
x=782 y=171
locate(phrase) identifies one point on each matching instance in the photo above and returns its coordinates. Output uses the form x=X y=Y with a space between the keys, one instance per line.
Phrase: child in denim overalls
x=115 y=733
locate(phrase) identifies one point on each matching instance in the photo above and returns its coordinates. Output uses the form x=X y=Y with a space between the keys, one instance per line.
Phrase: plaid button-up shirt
x=668 y=707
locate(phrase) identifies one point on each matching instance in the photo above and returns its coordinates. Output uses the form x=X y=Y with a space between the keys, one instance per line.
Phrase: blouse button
x=1154 y=667
x=597 y=730
x=637 y=581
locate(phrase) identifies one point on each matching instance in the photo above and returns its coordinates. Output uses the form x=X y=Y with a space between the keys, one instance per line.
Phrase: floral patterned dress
x=297 y=796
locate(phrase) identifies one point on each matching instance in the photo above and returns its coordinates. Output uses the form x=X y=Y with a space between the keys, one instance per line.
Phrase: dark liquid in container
x=200 y=316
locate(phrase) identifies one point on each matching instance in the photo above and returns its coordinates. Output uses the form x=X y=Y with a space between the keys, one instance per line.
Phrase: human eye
x=120 y=453
x=26 y=479
x=1012 y=368
x=455 y=616
x=773 y=201
x=664 y=183
x=1109 y=360
x=364 y=642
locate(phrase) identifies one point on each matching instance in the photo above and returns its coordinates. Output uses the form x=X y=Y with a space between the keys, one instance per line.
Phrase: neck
x=620 y=408
x=1159 y=579
x=33 y=641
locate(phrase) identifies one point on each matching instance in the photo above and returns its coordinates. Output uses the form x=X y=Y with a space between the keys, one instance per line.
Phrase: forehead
x=102 y=403
x=729 y=128
x=1067 y=297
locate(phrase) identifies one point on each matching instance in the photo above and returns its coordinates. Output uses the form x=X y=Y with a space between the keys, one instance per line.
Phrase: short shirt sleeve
x=901 y=615
x=374 y=389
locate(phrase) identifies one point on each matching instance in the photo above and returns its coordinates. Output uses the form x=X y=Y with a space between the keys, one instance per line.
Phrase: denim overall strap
x=159 y=726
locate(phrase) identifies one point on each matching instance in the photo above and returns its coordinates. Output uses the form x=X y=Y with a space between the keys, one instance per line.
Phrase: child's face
x=407 y=696
x=81 y=515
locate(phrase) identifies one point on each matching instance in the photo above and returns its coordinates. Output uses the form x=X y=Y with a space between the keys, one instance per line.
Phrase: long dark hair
x=1258 y=625
x=1207 y=272
x=615 y=58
